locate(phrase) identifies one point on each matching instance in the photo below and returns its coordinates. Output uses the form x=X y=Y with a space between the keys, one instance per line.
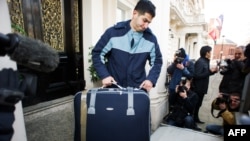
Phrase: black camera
x=224 y=65
x=179 y=59
x=182 y=87
x=223 y=99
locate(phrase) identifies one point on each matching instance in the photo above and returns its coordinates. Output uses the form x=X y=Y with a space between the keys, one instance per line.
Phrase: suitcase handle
x=130 y=109
x=122 y=88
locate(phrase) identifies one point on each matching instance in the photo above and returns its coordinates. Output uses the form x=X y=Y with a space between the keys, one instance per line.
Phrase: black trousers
x=7 y=119
x=198 y=105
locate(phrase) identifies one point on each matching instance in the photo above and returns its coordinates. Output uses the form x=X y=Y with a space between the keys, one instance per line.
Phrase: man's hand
x=180 y=66
x=147 y=85
x=214 y=69
x=183 y=94
x=108 y=81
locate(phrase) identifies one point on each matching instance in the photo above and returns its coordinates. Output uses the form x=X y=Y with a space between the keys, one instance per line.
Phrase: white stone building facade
x=178 y=23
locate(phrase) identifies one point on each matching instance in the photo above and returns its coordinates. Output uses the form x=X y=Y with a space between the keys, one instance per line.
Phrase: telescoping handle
x=122 y=88
x=130 y=110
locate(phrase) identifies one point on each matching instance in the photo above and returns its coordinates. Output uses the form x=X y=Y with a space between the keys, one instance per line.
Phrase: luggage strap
x=91 y=109
x=130 y=110
x=83 y=117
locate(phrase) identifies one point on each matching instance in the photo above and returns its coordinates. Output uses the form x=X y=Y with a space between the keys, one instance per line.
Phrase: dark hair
x=183 y=52
x=145 y=6
x=204 y=50
x=247 y=51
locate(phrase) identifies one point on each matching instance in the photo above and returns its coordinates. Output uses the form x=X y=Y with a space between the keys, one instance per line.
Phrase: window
x=120 y=14
x=124 y=9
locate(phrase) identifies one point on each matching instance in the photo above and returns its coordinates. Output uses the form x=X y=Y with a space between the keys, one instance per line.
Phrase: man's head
x=234 y=101
x=179 y=56
x=181 y=53
x=143 y=14
x=205 y=52
x=238 y=53
x=247 y=51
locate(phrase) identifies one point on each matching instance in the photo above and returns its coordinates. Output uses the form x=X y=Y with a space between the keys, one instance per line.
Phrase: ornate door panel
x=58 y=23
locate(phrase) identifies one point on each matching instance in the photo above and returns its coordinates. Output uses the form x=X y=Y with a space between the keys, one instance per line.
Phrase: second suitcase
x=115 y=114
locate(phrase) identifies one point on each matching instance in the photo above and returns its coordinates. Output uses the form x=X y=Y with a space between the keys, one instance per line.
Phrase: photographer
x=232 y=71
x=180 y=67
x=182 y=112
x=227 y=104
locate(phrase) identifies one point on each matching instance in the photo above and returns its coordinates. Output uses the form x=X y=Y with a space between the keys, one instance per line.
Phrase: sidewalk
x=178 y=134
x=55 y=121
x=205 y=110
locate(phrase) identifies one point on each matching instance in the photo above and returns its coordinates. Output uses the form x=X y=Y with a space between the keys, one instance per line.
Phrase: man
x=201 y=77
x=227 y=106
x=233 y=76
x=183 y=109
x=121 y=53
x=181 y=67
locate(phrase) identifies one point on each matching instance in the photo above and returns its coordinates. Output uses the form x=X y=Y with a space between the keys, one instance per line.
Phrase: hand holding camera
x=179 y=57
x=224 y=65
x=222 y=98
x=182 y=89
x=180 y=66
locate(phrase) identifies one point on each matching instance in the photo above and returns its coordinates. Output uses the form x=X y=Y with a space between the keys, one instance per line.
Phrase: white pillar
x=5 y=62
x=158 y=95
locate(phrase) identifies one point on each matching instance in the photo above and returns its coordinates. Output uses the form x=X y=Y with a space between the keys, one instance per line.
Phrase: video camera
x=223 y=99
x=179 y=59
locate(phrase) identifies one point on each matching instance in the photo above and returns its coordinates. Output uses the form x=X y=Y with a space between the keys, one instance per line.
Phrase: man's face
x=141 y=22
x=208 y=55
x=238 y=54
x=234 y=102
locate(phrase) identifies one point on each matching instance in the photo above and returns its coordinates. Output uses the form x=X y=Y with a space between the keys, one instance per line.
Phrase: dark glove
x=10 y=87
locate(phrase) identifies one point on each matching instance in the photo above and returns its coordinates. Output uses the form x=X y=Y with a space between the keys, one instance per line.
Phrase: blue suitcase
x=80 y=116
x=115 y=114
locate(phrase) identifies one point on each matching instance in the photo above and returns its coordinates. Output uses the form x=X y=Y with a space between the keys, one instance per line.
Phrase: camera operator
x=182 y=112
x=233 y=76
x=227 y=104
x=180 y=67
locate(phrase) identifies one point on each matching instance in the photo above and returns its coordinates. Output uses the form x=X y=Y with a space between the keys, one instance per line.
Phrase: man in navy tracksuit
x=123 y=50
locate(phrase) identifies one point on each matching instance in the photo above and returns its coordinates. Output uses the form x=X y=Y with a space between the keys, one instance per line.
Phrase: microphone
x=29 y=52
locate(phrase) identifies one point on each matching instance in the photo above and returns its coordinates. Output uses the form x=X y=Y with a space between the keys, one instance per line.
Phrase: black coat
x=233 y=78
x=201 y=75
x=183 y=107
